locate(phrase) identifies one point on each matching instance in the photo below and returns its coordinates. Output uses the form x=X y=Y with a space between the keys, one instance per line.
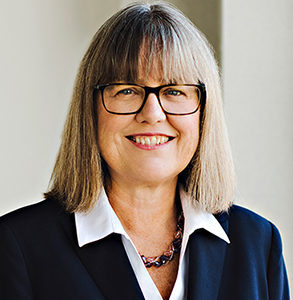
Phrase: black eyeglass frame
x=156 y=91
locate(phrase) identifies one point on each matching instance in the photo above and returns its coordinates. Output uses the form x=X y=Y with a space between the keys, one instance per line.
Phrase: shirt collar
x=196 y=218
x=101 y=221
x=98 y=223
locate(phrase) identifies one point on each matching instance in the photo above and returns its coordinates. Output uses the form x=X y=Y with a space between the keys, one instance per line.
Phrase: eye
x=173 y=92
x=125 y=92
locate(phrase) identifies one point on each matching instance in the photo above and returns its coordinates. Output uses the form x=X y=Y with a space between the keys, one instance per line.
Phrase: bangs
x=149 y=41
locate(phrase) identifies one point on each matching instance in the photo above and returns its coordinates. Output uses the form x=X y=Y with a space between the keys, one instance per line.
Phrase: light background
x=42 y=43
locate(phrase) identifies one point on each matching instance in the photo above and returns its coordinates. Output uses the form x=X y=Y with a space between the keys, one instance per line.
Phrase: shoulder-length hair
x=184 y=55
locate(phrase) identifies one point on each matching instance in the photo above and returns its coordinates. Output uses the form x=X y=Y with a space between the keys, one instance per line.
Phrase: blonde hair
x=174 y=44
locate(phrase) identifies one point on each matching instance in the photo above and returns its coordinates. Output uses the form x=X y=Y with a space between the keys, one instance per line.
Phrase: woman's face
x=148 y=164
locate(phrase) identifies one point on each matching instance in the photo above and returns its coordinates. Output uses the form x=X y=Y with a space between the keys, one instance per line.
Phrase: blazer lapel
x=107 y=263
x=206 y=260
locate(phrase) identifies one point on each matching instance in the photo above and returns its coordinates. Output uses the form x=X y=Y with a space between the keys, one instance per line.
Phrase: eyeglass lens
x=178 y=99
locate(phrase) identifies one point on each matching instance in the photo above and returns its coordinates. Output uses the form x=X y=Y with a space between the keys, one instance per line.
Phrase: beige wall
x=258 y=91
x=42 y=43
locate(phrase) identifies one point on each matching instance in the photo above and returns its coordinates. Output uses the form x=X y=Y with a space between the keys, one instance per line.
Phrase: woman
x=140 y=204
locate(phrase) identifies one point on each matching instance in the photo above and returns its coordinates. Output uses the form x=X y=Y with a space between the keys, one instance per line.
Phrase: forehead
x=149 y=70
x=163 y=66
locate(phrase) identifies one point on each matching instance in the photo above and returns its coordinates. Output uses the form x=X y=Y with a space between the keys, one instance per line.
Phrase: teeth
x=164 y=139
x=150 y=141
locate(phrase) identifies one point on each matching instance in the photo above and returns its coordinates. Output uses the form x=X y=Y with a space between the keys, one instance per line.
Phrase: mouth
x=150 y=140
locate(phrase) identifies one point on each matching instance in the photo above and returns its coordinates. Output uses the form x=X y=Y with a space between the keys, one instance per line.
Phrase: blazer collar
x=206 y=261
x=106 y=262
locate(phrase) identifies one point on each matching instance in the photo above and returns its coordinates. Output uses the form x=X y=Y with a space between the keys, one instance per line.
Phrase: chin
x=153 y=175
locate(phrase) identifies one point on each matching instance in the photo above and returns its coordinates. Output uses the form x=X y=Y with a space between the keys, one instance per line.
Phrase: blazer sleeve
x=14 y=279
x=277 y=276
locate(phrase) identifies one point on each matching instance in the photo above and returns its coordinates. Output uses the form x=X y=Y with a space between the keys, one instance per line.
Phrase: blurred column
x=207 y=16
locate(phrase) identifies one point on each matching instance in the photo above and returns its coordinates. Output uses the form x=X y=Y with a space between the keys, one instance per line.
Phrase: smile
x=150 y=140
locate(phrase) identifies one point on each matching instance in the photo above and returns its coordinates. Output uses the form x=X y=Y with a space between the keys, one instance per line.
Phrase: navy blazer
x=40 y=259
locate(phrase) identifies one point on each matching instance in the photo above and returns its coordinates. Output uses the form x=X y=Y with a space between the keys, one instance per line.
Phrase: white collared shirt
x=101 y=221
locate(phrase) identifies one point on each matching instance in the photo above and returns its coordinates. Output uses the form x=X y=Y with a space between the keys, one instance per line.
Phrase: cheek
x=188 y=129
x=106 y=131
x=110 y=132
x=102 y=129
x=191 y=140
x=107 y=124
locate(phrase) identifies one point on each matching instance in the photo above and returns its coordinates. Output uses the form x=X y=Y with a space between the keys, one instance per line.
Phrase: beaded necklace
x=174 y=248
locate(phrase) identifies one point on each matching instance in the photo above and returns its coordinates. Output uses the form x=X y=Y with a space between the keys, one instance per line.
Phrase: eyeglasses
x=174 y=99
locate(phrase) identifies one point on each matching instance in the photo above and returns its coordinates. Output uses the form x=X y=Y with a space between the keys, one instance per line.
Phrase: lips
x=150 y=140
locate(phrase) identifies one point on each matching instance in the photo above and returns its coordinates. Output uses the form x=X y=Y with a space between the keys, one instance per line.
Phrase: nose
x=152 y=111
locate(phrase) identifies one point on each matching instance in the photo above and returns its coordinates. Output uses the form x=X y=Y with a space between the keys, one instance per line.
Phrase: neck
x=144 y=209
